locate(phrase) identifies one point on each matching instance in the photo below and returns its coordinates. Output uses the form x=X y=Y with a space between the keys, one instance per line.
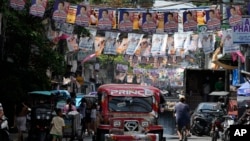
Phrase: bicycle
x=184 y=134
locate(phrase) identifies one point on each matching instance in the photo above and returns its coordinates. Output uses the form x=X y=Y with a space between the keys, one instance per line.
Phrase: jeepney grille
x=131 y=126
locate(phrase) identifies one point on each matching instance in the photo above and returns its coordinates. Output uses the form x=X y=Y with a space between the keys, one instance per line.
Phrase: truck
x=129 y=112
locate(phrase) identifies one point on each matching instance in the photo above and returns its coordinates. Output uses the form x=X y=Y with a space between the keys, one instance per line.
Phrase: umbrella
x=63 y=93
x=244 y=89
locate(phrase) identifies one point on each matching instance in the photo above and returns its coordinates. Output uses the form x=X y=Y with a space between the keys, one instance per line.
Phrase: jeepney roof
x=110 y=87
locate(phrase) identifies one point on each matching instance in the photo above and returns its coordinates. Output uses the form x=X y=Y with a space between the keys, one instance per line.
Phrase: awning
x=219 y=93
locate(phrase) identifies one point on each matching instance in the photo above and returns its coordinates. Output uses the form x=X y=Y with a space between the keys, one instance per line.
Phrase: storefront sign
x=241 y=33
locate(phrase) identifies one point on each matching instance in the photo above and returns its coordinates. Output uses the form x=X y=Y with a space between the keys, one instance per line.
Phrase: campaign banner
x=159 y=22
x=137 y=18
x=207 y=41
x=227 y=41
x=38 y=7
x=60 y=11
x=99 y=45
x=201 y=17
x=17 y=4
x=241 y=31
x=213 y=19
x=145 y=47
x=83 y=15
x=122 y=68
x=125 y=20
x=71 y=14
x=87 y=43
x=179 y=40
x=171 y=22
x=110 y=42
x=106 y=19
x=149 y=22
x=191 y=43
x=170 y=45
x=122 y=46
x=72 y=44
x=189 y=21
x=138 y=71
x=133 y=42
x=66 y=28
x=159 y=42
x=234 y=15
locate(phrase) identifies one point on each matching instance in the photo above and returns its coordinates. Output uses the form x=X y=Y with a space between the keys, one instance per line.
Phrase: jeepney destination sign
x=241 y=32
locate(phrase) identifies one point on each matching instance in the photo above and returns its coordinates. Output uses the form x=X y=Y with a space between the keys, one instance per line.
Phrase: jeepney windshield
x=130 y=104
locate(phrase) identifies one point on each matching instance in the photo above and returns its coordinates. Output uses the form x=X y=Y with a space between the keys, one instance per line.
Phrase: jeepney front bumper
x=134 y=137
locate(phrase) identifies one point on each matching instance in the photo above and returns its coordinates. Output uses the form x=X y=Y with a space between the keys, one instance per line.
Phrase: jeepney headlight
x=144 y=123
x=38 y=117
x=117 y=123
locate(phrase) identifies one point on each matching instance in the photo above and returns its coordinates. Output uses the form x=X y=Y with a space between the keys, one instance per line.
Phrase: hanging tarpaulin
x=110 y=42
x=227 y=41
x=235 y=78
x=207 y=41
x=133 y=42
x=38 y=7
x=60 y=11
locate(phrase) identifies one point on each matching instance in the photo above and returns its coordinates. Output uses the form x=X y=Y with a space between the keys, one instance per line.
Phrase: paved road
x=168 y=137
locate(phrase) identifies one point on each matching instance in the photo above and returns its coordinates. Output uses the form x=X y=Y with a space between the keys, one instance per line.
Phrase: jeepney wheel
x=100 y=135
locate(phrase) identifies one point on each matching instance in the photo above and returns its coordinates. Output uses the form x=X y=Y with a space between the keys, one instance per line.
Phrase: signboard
x=241 y=32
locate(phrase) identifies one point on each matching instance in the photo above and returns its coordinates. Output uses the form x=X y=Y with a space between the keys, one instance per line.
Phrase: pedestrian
x=88 y=116
x=82 y=111
x=206 y=89
x=57 y=125
x=20 y=119
x=93 y=117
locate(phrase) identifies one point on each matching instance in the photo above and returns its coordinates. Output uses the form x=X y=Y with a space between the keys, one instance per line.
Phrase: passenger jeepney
x=129 y=112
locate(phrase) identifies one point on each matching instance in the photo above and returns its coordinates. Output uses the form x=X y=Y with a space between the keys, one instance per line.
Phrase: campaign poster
x=170 y=45
x=234 y=15
x=171 y=22
x=67 y=28
x=106 y=19
x=179 y=40
x=72 y=44
x=99 y=45
x=87 y=43
x=60 y=11
x=110 y=42
x=83 y=15
x=133 y=42
x=125 y=20
x=189 y=21
x=122 y=68
x=159 y=42
x=149 y=22
x=159 y=22
x=137 y=18
x=38 y=7
x=207 y=41
x=213 y=19
x=241 y=32
x=17 y=4
x=201 y=17
x=122 y=46
x=71 y=14
x=145 y=47
x=191 y=42
x=227 y=41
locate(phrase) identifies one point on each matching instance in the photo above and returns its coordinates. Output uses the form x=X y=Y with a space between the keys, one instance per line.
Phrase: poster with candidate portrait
x=60 y=11
x=207 y=41
x=106 y=19
x=190 y=21
x=125 y=20
x=99 y=45
x=71 y=14
x=137 y=18
x=72 y=43
x=159 y=42
x=159 y=22
x=234 y=15
x=149 y=22
x=179 y=40
x=171 y=22
x=83 y=15
x=213 y=19
x=133 y=42
x=87 y=43
x=227 y=41
x=17 y=4
x=38 y=7
x=110 y=42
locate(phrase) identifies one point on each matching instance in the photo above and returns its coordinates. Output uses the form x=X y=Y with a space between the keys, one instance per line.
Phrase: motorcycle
x=201 y=125
x=245 y=118
x=4 y=129
x=217 y=127
x=229 y=120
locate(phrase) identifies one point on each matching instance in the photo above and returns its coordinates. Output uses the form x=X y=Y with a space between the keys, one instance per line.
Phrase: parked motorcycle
x=217 y=126
x=4 y=129
x=201 y=125
x=245 y=118
x=228 y=120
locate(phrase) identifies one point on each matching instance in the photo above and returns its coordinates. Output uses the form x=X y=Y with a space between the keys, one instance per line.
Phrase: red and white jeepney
x=129 y=112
